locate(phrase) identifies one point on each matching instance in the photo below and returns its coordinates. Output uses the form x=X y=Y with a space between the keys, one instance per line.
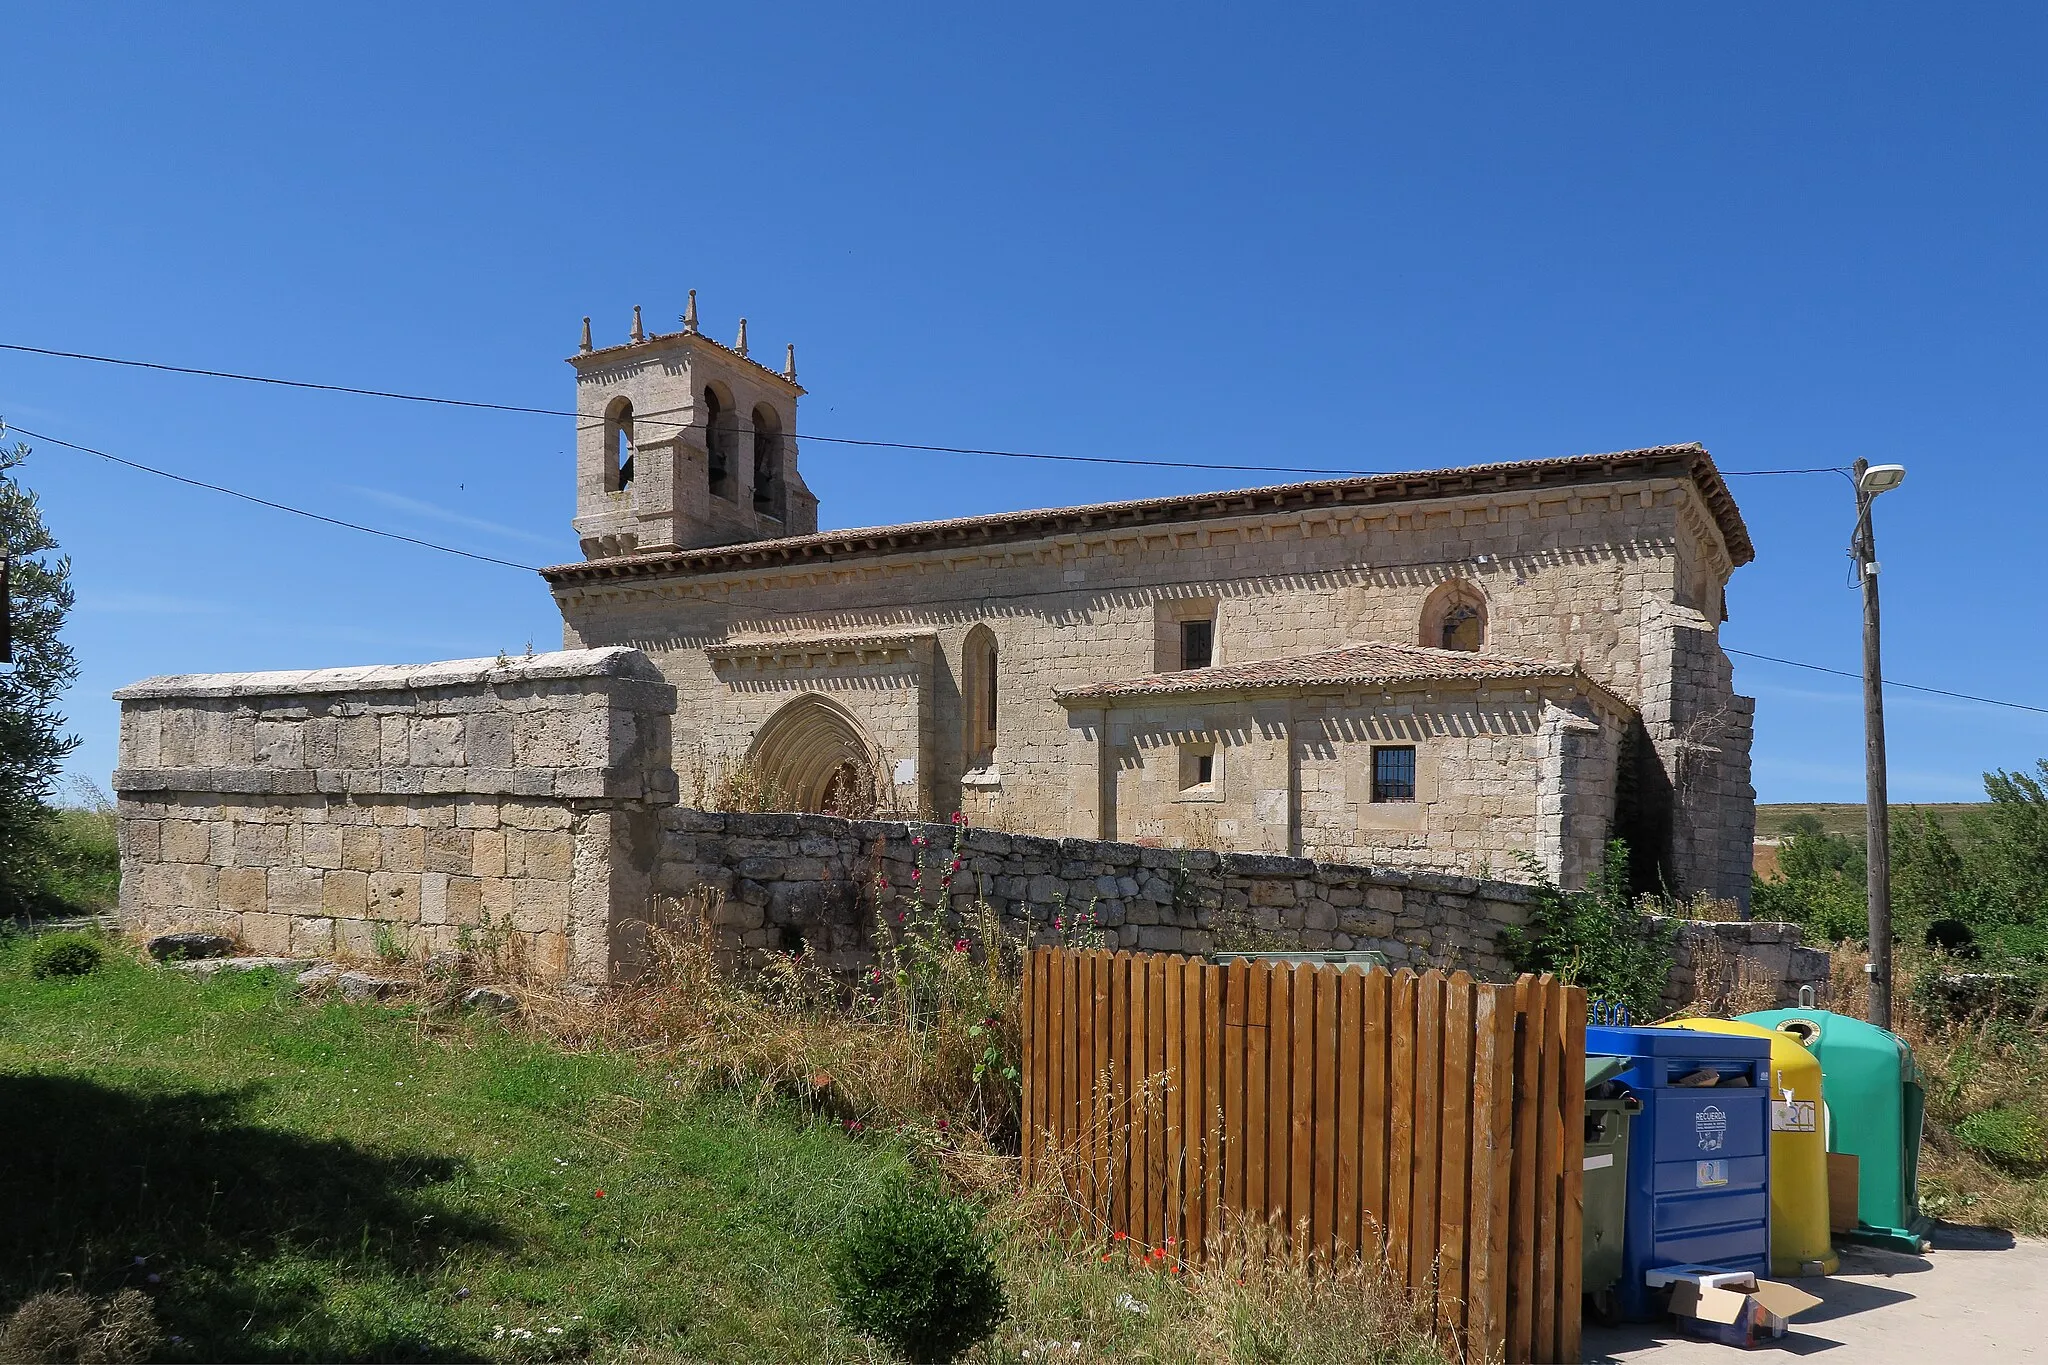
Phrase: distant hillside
x=1771 y=821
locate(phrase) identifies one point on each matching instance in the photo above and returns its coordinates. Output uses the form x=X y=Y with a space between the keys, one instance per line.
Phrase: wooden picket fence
x=1428 y=1119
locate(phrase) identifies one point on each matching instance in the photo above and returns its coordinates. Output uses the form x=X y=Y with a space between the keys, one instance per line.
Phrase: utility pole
x=1876 y=811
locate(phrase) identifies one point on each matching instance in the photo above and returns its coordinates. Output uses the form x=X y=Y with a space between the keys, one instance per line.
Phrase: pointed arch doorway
x=816 y=758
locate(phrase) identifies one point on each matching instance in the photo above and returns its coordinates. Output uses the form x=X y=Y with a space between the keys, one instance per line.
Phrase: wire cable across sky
x=841 y=440
x=267 y=502
x=1888 y=682
x=870 y=442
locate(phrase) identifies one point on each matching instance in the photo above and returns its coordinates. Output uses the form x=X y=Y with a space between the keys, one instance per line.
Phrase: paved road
x=1978 y=1296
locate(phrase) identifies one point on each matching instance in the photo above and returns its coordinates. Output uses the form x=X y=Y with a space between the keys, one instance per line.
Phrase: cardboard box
x=1737 y=1316
x=1709 y=1276
x=1843 y=1173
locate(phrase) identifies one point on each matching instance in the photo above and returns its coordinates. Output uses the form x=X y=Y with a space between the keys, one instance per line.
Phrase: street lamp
x=1872 y=480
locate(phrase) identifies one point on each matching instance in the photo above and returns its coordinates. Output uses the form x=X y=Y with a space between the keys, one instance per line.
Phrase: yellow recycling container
x=1799 y=1150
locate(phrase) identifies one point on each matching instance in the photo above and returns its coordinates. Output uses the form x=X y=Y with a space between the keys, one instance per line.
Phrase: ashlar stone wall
x=305 y=812
x=1599 y=575
x=1520 y=767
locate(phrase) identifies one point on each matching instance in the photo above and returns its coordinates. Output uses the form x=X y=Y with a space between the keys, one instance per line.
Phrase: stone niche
x=339 y=810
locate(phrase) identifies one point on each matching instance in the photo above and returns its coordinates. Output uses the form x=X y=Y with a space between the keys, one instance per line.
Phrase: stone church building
x=1439 y=670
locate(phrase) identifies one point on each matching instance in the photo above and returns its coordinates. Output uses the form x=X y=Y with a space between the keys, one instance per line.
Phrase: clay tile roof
x=1361 y=665
x=1665 y=462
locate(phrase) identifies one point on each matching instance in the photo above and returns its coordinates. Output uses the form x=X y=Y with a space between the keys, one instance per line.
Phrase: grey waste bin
x=1609 y=1107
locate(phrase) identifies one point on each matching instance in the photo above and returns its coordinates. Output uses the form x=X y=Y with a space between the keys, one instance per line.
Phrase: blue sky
x=1375 y=237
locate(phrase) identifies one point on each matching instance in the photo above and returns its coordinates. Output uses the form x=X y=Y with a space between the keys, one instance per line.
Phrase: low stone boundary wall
x=812 y=879
x=1741 y=962
x=313 y=812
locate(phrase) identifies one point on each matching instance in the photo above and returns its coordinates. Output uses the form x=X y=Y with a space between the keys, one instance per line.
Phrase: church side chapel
x=1449 y=669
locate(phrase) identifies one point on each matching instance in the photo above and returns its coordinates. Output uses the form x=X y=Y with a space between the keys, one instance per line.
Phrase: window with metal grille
x=1197 y=643
x=1393 y=773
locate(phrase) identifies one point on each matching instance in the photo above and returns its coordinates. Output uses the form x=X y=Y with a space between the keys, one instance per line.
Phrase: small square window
x=1393 y=773
x=1197 y=767
x=1197 y=643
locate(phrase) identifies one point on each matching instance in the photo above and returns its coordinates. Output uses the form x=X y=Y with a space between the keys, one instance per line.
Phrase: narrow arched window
x=1454 y=617
x=988 y=698
x=718 y=445
x=979 y=699
x=767 y=463
x=1463 y=627
x=618 y=445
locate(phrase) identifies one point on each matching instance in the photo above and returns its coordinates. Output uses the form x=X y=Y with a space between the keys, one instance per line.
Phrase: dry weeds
x=1725 y=983
x=65 y=1325
x=1094 y=1299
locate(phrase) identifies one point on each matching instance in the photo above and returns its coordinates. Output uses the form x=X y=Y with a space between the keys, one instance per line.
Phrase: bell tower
x=682 y=442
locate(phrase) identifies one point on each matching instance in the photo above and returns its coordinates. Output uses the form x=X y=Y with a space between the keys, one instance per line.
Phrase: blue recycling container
x=1699 y=1168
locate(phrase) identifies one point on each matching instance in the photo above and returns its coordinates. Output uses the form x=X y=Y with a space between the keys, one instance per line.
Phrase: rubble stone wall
x=1741 y=962
x=817 y=882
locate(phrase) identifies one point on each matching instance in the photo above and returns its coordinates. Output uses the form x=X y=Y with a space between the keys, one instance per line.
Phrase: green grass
x=324 y=1182
x=1847 y=818
x=2006 y=1135
x=84 y=872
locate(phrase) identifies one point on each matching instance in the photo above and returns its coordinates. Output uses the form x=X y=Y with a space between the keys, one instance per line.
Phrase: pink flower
x=916 y=875
x=959 y=817
x=959 y=945
x=955 y=867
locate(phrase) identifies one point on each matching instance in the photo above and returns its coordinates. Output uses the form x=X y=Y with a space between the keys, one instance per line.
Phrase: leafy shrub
x=915 y=1269
x=1596 y=938
x=64 y=955
x=1820 y=885
x=2006 y=1136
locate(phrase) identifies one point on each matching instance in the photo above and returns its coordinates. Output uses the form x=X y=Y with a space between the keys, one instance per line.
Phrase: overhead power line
x=869 y=442
x=531 y=568
x=266 y=502
x=1889 y=682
